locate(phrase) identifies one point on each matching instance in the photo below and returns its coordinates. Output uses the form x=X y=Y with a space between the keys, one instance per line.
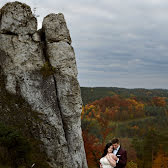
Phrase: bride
x=108 y=159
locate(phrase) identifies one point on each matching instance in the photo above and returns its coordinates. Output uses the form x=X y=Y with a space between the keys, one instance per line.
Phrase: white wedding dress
x=105 y=163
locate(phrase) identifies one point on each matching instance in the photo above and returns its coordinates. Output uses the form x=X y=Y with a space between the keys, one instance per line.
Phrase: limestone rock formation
x=17 y=18
x=40 y=67
x=55 y=28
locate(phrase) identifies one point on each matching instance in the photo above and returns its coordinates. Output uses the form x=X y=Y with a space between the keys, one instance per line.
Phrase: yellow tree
x=161 y=160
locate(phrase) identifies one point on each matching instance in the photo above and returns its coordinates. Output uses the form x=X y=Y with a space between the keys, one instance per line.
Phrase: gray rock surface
x=55 y=28
x=17 y=18
x=62 y=58
x=44 y=73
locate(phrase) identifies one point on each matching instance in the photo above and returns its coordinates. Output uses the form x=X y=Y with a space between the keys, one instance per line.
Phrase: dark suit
x=122 y=158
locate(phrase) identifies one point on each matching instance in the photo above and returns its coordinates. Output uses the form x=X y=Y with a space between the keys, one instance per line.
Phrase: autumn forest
x=139 y=117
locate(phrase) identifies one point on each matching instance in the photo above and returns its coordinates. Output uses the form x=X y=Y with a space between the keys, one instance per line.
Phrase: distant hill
x=90 y=94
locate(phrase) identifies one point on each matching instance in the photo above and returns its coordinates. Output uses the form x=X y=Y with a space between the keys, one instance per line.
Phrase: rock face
x=55 y=28
x=40 y=67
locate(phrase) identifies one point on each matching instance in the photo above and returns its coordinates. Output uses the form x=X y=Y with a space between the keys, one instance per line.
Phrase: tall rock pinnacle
x=40 y=67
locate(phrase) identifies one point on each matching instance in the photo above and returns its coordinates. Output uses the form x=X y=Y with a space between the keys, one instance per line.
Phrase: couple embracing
x=114 y=156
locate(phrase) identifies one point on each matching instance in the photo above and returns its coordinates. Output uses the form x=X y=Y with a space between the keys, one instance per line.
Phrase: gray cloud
x=117 y=43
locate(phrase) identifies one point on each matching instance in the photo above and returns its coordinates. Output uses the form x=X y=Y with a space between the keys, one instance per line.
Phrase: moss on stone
x=47 y=69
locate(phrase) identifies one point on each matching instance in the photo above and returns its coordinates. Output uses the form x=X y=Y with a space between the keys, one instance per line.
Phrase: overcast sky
x=118 y=43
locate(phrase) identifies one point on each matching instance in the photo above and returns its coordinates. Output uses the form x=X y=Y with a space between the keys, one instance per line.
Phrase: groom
x=120 y=153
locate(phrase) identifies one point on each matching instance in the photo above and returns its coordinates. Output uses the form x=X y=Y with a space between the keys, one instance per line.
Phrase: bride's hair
x=106 y=149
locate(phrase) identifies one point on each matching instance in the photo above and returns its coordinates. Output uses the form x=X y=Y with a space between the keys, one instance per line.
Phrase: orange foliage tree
x=94 y=121
x=120 y=108
x=161 y=160
x=159 y=101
